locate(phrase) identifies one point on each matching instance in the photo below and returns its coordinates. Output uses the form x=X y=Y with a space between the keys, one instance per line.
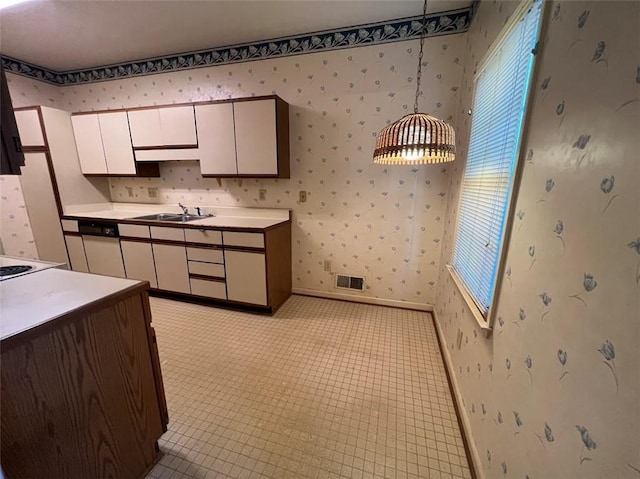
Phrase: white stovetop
x=34 y=299
x=224 y=216
x=36 y=265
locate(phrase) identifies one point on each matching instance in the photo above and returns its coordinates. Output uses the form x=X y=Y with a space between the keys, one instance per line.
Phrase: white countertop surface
x=33 y=299
x=225 y=217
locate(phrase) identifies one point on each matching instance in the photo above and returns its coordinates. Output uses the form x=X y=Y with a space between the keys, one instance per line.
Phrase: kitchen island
x=82 y=392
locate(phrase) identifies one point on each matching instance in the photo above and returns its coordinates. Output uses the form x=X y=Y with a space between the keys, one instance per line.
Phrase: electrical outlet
x=153 y=192
x=129 y=191
x=459 y=338
x=302 y=196
x=262 y=195
x=327 y=265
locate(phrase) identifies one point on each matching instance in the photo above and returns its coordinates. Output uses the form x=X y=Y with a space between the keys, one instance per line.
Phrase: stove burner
x=11 y=270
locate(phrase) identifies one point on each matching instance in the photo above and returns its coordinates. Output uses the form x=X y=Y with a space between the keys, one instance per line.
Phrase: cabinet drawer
x=69 y=225
x=207 y=255
x=171 y=234
x=210 y=289
x=134 y=231
x=206 y=269
x=203 y=236
x=251 y=240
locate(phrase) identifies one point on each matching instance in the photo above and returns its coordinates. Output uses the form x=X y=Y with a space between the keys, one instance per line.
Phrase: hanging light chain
x=419 y=75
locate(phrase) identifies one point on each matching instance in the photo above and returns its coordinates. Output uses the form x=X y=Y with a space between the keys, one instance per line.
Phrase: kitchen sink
x=173 y=217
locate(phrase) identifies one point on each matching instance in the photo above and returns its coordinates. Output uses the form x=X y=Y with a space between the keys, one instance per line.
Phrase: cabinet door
x=30 y=128
x=116 y=142
x=216 y=139
x=178 y=126
x=75 y=248
x=145 y=127
x=246 y=277
x=256 y=145
x=138 y=261
x=171 y=267
x=40 y=200
x=104 y=255
x=86 y=129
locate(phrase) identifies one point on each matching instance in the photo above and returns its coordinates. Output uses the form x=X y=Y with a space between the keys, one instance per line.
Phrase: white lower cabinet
x=171 y=267
x=246 y=277
x=138 y=261
x=104 y=255
x=75 y=249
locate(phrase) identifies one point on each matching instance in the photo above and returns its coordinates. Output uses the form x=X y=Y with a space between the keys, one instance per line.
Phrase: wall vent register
x=350 y=282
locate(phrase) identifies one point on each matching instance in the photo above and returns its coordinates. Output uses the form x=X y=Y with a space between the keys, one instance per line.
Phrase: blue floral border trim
x=445 y=23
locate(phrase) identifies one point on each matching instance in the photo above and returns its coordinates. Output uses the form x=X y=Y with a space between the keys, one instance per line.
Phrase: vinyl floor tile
x=322 y=389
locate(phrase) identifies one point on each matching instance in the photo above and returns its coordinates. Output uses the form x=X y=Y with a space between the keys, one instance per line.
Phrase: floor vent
x=350 y=282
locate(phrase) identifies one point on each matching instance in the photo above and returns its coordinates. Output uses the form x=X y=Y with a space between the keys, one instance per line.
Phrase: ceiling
x=63 y=35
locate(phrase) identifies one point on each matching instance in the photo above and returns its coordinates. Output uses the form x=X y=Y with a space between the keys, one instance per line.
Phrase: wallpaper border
x=442 y=23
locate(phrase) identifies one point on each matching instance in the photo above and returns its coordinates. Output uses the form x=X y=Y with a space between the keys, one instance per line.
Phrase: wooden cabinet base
x=82 y=395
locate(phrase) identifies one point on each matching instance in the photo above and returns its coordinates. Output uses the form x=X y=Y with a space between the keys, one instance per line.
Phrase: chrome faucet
x=185 y=210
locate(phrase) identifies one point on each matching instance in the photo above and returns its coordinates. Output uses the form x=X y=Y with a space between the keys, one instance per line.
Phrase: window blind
x=498 y=111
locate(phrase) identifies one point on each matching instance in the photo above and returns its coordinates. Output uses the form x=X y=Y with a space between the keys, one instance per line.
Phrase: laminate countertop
x=223 y=217
x=34 y=299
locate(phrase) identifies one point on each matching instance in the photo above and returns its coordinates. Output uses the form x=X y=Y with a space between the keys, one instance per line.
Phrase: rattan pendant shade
x=415 y=139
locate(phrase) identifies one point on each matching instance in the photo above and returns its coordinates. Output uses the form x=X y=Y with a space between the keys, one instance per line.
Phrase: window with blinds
x=501 y=89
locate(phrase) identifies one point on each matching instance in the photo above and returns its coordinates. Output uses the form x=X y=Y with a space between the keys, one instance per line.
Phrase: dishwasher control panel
x=96 y=228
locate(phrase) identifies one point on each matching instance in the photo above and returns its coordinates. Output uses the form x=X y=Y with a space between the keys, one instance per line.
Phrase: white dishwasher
x=102 y=248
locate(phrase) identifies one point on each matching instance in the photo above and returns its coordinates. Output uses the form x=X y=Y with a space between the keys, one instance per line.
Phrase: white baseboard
x=394 y=303
x=464 y=417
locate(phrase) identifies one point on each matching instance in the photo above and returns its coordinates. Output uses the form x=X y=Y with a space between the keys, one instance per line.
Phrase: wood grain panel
x=80 y=401
x=279 y=281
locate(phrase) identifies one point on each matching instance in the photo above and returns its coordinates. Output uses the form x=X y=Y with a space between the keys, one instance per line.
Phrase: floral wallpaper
x=15 y=232
x=15 y=227
x=554 y=392
x=380 y=222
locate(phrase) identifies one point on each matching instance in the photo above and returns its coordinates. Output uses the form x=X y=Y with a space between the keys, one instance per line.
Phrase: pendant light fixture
x=416 y=138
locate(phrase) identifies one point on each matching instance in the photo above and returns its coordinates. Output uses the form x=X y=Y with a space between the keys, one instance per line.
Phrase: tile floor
x=321 y=389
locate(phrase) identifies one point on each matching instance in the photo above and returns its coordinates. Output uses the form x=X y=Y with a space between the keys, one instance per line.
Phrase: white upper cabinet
x=86 y=129
x=217 y=146
x=256 y=140
x=104 y=144
x=30 y=128
x=178 y=126
x=145 y=128
x=116 y=142
x=168 y=126
x=244 y=138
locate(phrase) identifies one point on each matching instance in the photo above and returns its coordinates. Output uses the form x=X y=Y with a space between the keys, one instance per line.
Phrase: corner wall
x=555 y=391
